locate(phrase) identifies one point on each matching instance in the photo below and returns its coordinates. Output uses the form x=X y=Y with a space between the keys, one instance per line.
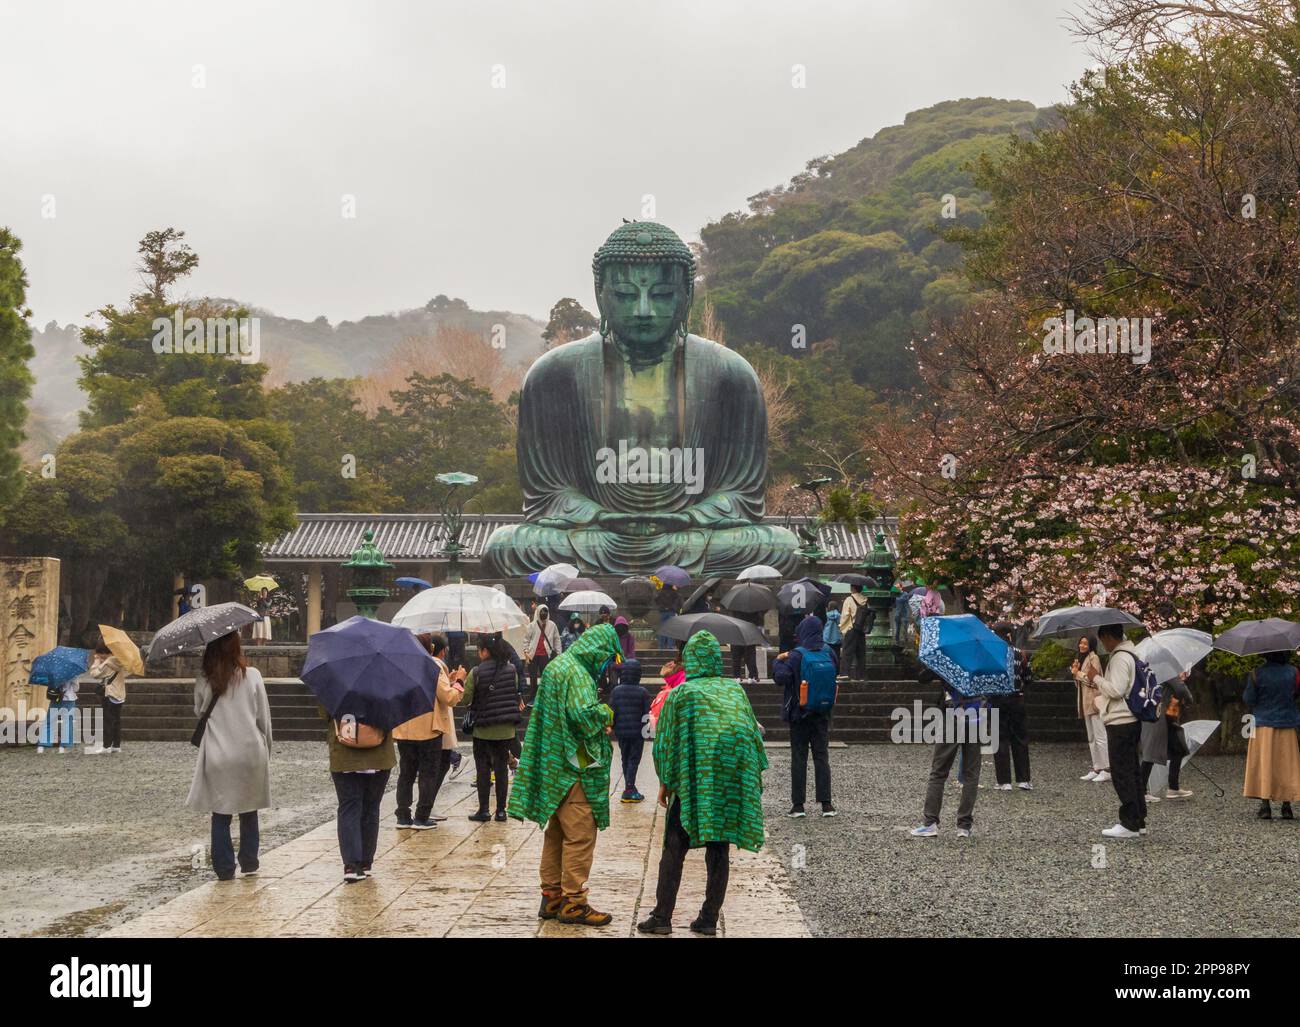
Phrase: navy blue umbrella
x=375 y=672
x=60 y=664
x=419 y=584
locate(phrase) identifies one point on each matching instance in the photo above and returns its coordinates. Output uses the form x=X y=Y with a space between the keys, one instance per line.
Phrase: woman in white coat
x=233 y=772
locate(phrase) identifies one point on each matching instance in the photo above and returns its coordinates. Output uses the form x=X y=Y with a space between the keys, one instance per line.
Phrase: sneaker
x=701 y=926
x=499 y=816
x=1026 y=786
x=115 y=748
x=1151 y=799
x=963 y=832
x=581 y=913
x=1120 y=831
x=64 y=748
x=1089 y=776
x=1003 y=788
x=481 y=816
x=366 y=871
x=637 y=797
x=437 y=818
x=404 y=820
x=1180 y=793
x=828 y=810
x=654 y=925
x=925 y=831
x=96 y=751
x=796 y=812
x=40 y=750
x=550 y=907
x=1102 y=775
x=352 y=874
x=626 y=797
x=250 y=873
x=422 y=824
x=1142 y=830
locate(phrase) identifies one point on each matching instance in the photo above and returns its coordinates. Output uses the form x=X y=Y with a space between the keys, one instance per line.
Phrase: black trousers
x=491 y=756
x=812 y=730
x=1175 y=750
x=535 y=667
x=717 y=867
x=112 y=724
x=744 y=657
x=854 y=650
x=629 y=751
x=359 y=797
x=1122 y=742
x=418 y=762
x=1013 y=740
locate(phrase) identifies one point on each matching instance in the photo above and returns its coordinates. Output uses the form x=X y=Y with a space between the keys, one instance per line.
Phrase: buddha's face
x=643 y=303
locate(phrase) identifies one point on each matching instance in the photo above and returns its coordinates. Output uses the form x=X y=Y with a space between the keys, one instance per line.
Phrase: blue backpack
x=817 y=671
x=1145 y=695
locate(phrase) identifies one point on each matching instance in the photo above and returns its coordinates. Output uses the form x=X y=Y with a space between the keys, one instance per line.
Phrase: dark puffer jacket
x=496 y=694
x=631 y=702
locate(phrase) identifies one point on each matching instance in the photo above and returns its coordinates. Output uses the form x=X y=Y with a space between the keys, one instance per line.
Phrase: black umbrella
x=1069 y=619
x=749 y=598
x=857 y=580
x=580 y=585
x=727 y=630
x=1252 y=637
x=703 y=590
x=801 y=595
x=191 y=632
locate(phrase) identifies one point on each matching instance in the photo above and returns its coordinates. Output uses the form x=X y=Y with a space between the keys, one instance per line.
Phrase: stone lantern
x=368 y=567
x=879 y=565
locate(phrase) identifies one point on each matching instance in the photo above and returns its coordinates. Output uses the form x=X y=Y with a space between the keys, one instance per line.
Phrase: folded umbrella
x=551 y=579
x=60 y=664
x=1067 y=619
x=419 y=584
x=192 y=631
x=672 y=575
x=1174 y=652
x=374 y=672
x=967 y=655
x=749 y=598
x=759 y=572
x=1196 y=733
x=1252 y=637
x=588 y=600
x=120 y=645
x=460 y=607
x=727 y=630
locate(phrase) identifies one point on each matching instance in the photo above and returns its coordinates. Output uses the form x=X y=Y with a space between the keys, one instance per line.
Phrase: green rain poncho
x=708 y=751
x=566 y=739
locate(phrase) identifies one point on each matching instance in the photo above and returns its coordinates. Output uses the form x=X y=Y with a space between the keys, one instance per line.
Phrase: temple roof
x=416 y=538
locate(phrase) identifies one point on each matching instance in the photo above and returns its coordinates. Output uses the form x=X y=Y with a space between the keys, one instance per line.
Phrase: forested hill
x=849 y=248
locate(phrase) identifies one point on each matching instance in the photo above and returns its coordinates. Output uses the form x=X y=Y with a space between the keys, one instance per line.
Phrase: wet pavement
x=466 y=879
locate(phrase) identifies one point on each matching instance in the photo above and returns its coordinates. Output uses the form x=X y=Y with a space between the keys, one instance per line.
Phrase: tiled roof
x=416 y=538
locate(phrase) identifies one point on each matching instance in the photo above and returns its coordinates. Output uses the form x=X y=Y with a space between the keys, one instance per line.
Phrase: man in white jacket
x=1123 y=731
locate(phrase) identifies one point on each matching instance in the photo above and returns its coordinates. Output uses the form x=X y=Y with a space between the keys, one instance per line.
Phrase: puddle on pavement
x=75 y=925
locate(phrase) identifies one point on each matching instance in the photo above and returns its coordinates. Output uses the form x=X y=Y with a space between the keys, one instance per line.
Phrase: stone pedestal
x=29 y=623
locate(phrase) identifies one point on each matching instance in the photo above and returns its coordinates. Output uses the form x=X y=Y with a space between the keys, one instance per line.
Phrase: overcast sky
x=496 y=195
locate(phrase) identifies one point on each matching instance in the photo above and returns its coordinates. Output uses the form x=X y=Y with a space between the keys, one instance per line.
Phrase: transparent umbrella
x=460 y=607
x=1173 y=652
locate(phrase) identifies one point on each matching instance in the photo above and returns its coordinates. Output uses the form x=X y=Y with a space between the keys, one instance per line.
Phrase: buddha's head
x=645 y=279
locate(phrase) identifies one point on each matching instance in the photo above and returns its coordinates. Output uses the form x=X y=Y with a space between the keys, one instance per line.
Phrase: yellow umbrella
x=261 y=581
x=121 y=646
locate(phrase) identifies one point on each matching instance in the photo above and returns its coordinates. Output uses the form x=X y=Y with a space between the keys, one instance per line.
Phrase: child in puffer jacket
x=631 y=704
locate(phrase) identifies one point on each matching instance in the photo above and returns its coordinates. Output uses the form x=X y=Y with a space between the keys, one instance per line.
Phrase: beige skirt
x=1273 y=765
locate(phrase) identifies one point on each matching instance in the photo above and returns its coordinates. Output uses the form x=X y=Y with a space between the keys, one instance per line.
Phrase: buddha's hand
x=569 y=509
x=643 y=524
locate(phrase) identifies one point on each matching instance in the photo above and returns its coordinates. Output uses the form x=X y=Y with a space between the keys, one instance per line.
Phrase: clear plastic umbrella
x=1173 y=652
x=1196 y=733
x=460 y=607
x=553 y=578
x=588 y=601
x=758 y=572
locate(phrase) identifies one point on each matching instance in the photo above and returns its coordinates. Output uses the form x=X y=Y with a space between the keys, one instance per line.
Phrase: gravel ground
x=87 y=842
x=1208 y=867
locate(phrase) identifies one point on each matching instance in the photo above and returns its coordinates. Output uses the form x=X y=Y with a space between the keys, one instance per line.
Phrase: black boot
x=1265 y=811
x=480 y=815
x=1286 y=811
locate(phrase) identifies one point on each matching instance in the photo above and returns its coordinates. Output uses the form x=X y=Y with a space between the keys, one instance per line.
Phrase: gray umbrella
x=1080 y=618
x=727 y=630
x=748 y=598
x=191 y=632
x=1252 y=637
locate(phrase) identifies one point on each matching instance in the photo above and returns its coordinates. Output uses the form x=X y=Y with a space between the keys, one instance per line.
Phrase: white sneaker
x=1102 y=775
x=1089 y=776
x=1003 y=788
x=1142 y=830
x=96 y=750
x=1180 y=793
x=1026 y=786
x=925 y=831
x=40 y=750
x=116 y=748
x=1152 y=798
x=963 y=832
x=1120 y=831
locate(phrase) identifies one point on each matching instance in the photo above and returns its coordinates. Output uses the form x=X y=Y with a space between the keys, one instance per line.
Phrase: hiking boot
x=481 y=816
x=1286 y=811
x=581 y=913
x=550 y=907
x=701 y=926
x=1265 y=811
x=654 y=925
x=796 y=812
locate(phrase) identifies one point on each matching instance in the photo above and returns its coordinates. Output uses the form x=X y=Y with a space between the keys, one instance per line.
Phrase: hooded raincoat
x=708 y=751
x=566 y=741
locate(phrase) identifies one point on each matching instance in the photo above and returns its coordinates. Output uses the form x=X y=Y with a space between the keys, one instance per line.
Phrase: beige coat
x=438 y=722
x=1087 y=694
x=113 y=674
x=1116 y=684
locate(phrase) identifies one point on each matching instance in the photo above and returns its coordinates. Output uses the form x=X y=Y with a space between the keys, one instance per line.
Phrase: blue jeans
x=58 y=726
x=223 y=849
x=359 y=797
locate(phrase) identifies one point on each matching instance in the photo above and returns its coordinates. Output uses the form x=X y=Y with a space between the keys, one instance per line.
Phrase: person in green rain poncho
x=708 y=752
x=562 y=783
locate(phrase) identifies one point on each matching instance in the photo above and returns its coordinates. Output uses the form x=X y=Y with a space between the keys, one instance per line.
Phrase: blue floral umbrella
x=967 y=655
x=60 y=664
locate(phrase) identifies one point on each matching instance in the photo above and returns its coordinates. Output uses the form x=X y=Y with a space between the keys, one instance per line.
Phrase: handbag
x=196 y=739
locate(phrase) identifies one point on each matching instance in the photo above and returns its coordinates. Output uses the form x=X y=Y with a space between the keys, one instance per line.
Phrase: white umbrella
x=588 y=601
x=468 y=608
x=758 y=572
x=553 y=578
x=1176 y=651
x=1196 y=733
